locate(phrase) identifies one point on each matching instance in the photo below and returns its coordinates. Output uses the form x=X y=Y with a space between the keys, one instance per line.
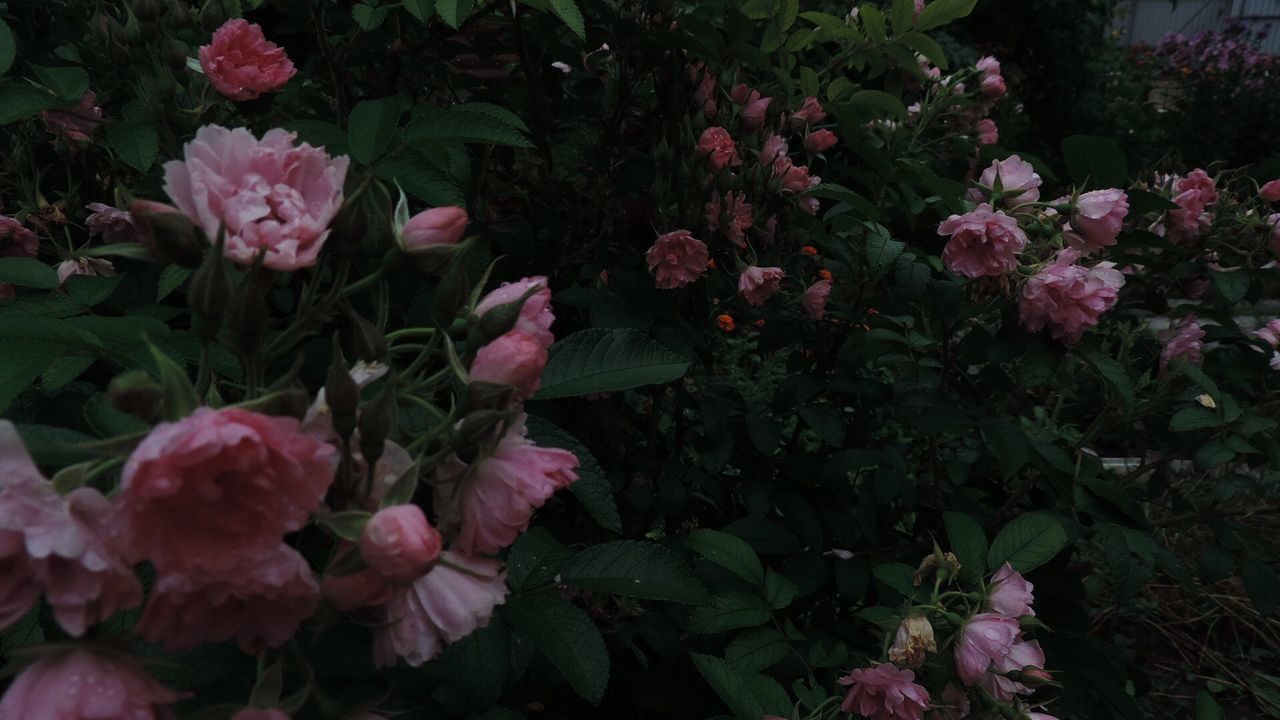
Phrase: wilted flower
x=913 y=641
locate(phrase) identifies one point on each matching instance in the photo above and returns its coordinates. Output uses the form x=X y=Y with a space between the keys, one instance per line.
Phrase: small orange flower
x=809 y=250
x=726 y=323
x=711 y=264
x=825 y=274
x=759 y=323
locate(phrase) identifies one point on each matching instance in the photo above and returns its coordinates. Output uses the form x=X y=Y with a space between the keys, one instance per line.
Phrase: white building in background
x=1146 y=21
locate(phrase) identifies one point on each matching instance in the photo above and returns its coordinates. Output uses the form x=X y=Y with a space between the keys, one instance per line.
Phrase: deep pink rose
x=270 y=195
x=260 y=603
x=75 y=123
x=83 y=683
x=1019 y=182
x=774 y=152
x=820 y=141
x=1270 y=191
x=1069 y=298
x=884 y=692
x=437 y=226
x=815 y=298
x=1199 y=181
x=516 y=359
x=983 y=243
x=988 y=132
x=113 y=224
x=16 y=240
x=1022 y=654
x=242 y=64
x=260 y=714
x=220 y=486
x=758 y=284
x=1009 y=593
x=1183 y=342
x=491 y=500
x=1097 y=218
x=447 y=604
x=739 y=217
x=535 y=315
x=810 y=112
x=987 y=638
x=399 y=543
x=719 y=148
x=676 y=259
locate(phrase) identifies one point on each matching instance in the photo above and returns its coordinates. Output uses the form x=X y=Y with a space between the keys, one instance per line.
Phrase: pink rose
x=1190 y=220
x=820 y=141
x=1097 y=218
x=270 y=195
x=447 y=604
x=1009 y=593
x=988 y=65
x=810 y=112
x=676 y=259
x=1018 y=180
x=535 y=315
x=987 y=638
x=719 y=148
x=796 y=178
x=399 y=543
x=219 y=486
x=113 y=224
x=260 y=714
x=437 y=226
x=86 y=266
x=704 y=93
x=16 y=240
x=1270 y=191
x=1199 y=181
x=1183 y=342
x=516 y=359
x=993 y=87
x=491 y=500
x=884 y=692
x=1040 y=716
x=988 y=132
x=758 y=284
x=83 y=683
x=75 y=123
x=754 y=107
x=983 y=243
x=1069 y=298
x=260 y=602
x=242 y=64
x=815 y=298
x=739 y=215
x=1022 y=654
x=774 y=152
x=1269 y=333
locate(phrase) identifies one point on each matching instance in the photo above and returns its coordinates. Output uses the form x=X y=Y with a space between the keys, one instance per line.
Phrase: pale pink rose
x=437 y=226
x=796 y=178
x=676 y=259
x=1009 y=593
x=809 y=204
x=260 y=603
x=220 y=485
x=884 y=692
x=774 y=152
x=815 y=298
x=987 y=638
x=1270 y=191
x=983 y=243
x=242 y=64
x=919 y=8
x=1269 y=333
x=1019 y=182
x=993 y=87
x=270 y=195
x=953 y=706
x=1069 y=298
x=16 y=240
x=1097 y=218
x=447 y=604
x=820 y=141
x=712 y=210
x=399 y=543
x=516 y=359
x=739 y=217
x=1199 y=181
x=86 y=683
x=260 y=714
x=113 y=224
x=988 y=65
x=704 y=93
x=719 y=148
x=75 y=123
x=1184 y=342
x=810 y=112
x=758 y=284
x=1040 y=716
x=1022 y=654
x=490 y=501
x=988 y=132
x=86 y=266
x=535 y=315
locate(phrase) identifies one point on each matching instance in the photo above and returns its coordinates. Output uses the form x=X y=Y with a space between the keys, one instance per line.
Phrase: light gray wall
x=1146 y=21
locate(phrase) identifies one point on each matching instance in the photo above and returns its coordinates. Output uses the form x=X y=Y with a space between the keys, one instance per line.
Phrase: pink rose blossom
x=516 y=359
x=242 y=64
x=1183 y=342
x=1009 y=593
x=75 y=123
x=1040 y=716
x=739 y=217
x=437 y=226
x=988 y=65
x=1269 y=333
x=983 y=243
x=535 y=315
x=1097 y=219
x=719 y=148
x=820 y=141
x=1199 y=181
x=399 y=543
x=270 y=195
x=1190 y=220
x=1069 y=298
x=1022 y=654
x=113 y=224
x=774 y=152
x=993 y=87
x=884 y=692
x=260 y=603
x=758 y=284
x=82 y=683
x=988 y=132
x=447 y=604
x=797 y=179
x=1270 y=191
x=491 y=500
x=16 y=240
x=86 y=266
x=1019 y=182
x=810 y=112
x=260 y=714
x=219 y=486
x=705 y=92
x=676 y=259
x=987 y=638
x=754 y=107
x=815 y=298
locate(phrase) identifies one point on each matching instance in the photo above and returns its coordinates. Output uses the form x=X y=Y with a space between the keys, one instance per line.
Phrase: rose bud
x=399 y=543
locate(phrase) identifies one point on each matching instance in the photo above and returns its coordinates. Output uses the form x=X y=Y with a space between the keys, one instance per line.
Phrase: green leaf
x=1095 y=162
x=8 y=51
x=592 y=487
x=1207 y=708
x=180 y=398
x=756 y=650
x=634 y=568
x=68 y=83
x=880 y=100
x=421 y=9
x=1115 y=375
x=1005 y=439
x=1194 y=418
x=535 y=559
x=1233 y=285
x=171 y=278
x=927 y=47
x=941 y=12
x=883 y=250
x=730 y=686
x=454 y=12
x=600 y=360
x=92 y=290
x=567 y=637
x=969 y=543
x=728 y=611
x=497 y=112
x=27 y=272
x=421 y=178
x=22 y=101
x=1027 y=543
x=478 y=663
x=348 y=524
x=568 y=12
x=368 y=17
x=901 y=13
x=371 y=126
x=137 y=143
x=320 y=133
x=1142 y=202
x=460 y=124
x=1212 y=454
x=21 y=362
x=778 y=590
x=729 y=552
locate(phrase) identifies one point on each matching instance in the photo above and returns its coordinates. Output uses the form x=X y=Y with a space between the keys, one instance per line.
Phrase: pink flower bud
x=437 y=226
x=820 y=141
x=1271 y=191
x=516 y=359
x=399 y=543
